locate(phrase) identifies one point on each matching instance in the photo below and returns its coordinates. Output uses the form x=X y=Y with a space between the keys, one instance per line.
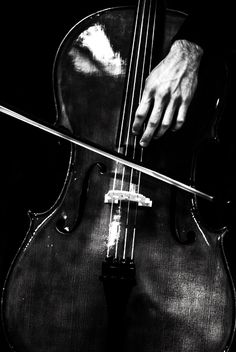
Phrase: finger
x=167 y=119
x=141 y=113
x=181 y=117
x=153 y=122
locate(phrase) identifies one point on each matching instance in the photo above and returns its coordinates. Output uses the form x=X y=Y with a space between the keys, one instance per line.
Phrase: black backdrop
x=33 y=164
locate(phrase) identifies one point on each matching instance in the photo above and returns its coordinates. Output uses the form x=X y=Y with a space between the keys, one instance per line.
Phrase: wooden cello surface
x=56 y=295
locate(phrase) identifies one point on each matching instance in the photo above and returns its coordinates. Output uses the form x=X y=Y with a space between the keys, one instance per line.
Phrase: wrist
x=187 y=48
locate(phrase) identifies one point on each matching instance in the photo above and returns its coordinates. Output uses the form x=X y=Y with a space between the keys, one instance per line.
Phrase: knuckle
x=161 y=93
x=138 y=115
x=187 y=100
x=153 y=124
x=136 y=124
x=177 y=96
x=165 y=125
x=179 y=123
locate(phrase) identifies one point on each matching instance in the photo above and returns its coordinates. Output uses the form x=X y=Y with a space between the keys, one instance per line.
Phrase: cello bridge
x=114 y=196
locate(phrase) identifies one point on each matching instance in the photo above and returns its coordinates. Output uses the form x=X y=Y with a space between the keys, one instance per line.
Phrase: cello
x=120 y=261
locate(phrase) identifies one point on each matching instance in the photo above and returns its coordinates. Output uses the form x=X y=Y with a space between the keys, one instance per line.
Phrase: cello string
x=128 y=78
x=126 y=232
x=133 y=186
x=125 y=243
x=124 y=108
x=131 y=112
x=142 y=76
x=131 y=115
x=140 y=94
x=140 y=85
x=135 y=78
x=133 y=243
x=111 y=213
x=124 y=112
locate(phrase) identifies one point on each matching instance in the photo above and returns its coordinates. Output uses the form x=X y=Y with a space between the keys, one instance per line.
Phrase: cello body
x=55 y=297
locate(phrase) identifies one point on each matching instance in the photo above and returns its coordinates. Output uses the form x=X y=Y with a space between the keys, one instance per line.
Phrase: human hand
x=168 y=92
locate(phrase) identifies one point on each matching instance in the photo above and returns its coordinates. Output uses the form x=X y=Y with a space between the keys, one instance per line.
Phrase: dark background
x=33 y=164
